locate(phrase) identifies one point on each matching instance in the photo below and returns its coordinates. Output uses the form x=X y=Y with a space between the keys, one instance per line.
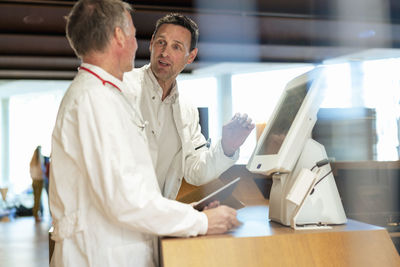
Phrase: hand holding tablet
x=218 y=195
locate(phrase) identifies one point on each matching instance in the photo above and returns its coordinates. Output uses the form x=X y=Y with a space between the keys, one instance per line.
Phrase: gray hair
x=91 y=24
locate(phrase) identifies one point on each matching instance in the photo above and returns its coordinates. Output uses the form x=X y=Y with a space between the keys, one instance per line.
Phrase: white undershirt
x=164 y=141
x=169 y=144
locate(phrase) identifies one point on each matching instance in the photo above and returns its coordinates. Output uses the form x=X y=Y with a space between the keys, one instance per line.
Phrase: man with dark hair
x=173 y=131
x=180 y=20
x=105 y=201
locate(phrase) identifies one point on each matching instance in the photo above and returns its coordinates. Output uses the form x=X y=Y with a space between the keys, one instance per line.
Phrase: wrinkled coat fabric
x=105 y=201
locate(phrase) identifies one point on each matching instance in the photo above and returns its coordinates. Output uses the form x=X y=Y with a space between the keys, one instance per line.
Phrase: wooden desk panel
x=259 y=242
x=357 y=248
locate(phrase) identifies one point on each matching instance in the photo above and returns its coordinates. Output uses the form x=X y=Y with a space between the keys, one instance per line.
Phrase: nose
x=164 y=51
x=135 y=44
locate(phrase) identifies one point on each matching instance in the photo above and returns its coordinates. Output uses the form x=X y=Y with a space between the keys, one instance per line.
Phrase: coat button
x=153 y=97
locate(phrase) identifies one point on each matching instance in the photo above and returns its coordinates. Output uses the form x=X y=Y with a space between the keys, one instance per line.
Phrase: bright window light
x=382 y=92
x=338 y=86
x=31 y=122
x=202 y=92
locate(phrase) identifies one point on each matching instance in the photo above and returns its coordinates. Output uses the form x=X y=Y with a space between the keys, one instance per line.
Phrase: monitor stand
x=322 y=207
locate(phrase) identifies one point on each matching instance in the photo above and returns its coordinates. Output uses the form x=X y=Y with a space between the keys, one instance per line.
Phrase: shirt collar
x=106 y=76
x=173 y=95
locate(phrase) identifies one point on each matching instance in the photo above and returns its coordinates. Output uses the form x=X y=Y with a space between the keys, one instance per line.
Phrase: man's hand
x=235 y=132
x=221 y=220
x=212 y=205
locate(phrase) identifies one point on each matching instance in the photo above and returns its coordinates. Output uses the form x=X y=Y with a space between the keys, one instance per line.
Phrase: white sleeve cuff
x=204 y=222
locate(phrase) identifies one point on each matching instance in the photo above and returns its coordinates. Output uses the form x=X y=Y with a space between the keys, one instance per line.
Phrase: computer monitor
x=285 y=148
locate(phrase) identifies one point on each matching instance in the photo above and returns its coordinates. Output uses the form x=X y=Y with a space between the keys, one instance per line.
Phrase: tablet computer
x=219 y=195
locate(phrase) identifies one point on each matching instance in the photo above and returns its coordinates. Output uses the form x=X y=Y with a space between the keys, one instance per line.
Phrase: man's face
x=130 y=45
x=170 y=52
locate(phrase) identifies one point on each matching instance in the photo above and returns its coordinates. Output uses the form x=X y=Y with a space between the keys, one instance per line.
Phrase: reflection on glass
x=285 y=116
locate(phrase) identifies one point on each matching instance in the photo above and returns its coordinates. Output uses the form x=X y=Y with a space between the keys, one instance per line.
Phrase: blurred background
x=248 y=51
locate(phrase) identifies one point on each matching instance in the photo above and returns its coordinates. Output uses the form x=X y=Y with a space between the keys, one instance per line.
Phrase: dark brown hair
x=181 y=20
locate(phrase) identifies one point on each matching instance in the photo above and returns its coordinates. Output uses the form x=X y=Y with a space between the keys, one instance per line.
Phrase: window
x=201 y=92
x=31 y=121
x=381 y=82
x=338 y=86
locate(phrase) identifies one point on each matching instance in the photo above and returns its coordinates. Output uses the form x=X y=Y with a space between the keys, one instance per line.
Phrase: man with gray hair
x=104 y=198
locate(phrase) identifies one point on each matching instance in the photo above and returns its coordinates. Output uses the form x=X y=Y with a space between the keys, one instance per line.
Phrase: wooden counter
x=258 y=242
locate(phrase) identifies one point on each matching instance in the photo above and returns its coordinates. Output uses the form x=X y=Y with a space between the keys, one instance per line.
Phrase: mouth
x=163 y=63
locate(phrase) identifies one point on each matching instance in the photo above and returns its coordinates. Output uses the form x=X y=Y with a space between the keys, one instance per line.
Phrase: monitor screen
x=289 y=126
x=285 y=116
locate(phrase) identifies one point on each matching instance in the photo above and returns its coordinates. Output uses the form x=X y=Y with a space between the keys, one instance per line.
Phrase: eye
x=176 y=47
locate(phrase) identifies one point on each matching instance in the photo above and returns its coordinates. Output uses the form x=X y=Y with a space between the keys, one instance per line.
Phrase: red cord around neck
x=101 y=79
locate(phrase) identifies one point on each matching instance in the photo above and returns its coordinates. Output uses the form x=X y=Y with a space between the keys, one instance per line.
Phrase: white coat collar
x=104 y=75
x=173 y=95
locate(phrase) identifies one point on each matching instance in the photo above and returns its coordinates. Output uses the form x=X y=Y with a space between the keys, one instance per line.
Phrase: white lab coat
x=104 y=197
x=197 y=166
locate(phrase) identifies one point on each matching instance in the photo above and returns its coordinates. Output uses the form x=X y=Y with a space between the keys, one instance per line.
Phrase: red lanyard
x=102 y=80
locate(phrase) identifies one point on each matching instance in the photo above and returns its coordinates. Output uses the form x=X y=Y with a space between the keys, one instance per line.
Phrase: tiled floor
x=24 y=243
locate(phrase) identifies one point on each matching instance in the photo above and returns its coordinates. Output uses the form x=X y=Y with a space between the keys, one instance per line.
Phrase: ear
x=192 y=56
x=119 y=36
x=151 y=43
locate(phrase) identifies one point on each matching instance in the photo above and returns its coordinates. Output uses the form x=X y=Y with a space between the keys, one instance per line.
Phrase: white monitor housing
x=285 y=148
